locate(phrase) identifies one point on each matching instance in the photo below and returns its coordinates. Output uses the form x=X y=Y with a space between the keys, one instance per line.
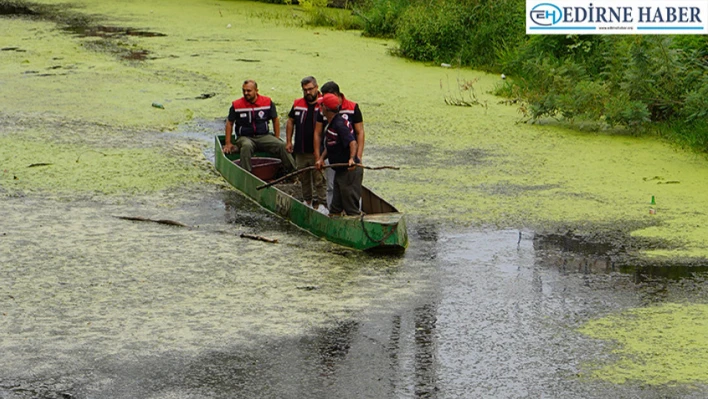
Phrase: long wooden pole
x=334 y=165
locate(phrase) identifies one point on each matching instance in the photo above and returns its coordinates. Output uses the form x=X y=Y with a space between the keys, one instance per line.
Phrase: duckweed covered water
x=80 y=142
x=38 y=166
x=490 y=169
x=77 y=279
x=666 y=344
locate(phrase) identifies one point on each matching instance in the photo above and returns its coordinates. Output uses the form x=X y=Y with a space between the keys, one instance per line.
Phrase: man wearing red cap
x=301 y=121
x=249 y=117
x=341 y=147
x=351 y=112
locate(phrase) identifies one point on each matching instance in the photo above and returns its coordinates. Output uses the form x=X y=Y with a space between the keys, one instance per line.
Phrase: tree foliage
x=643 y=83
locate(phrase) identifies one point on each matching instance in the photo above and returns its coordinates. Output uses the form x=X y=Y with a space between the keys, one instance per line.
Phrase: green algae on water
x=529 y=176
x=30 y=165
x=665 y=344
x=120 y=287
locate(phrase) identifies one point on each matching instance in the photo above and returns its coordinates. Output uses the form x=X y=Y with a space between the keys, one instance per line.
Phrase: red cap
x=330 y=101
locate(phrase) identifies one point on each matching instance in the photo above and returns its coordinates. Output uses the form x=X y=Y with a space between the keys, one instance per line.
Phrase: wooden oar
x=334 y=165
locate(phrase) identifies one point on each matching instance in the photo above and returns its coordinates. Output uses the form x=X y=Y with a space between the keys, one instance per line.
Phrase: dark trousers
x=347 y=191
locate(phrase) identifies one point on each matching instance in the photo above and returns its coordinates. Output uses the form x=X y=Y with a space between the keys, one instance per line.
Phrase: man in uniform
x=341 y=147
x=350 y=111
x=249 y=117
x=301 y=121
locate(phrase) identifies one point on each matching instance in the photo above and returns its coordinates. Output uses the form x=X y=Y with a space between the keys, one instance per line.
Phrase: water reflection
x=571 y=253
x=429 y=235
x=667 y=270
x=332 y=346
x=425 y=348
x=424 y=321
x=411 y=349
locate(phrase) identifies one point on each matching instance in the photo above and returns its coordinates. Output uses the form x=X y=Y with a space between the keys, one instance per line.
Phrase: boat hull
x=381 y=229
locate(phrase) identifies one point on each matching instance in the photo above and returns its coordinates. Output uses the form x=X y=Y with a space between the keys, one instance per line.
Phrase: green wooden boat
x=382 y=228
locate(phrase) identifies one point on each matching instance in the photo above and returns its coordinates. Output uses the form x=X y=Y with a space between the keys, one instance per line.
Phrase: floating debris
x=259 y=238
x=159 y=221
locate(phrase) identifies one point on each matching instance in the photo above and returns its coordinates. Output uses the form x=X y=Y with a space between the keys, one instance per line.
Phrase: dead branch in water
x=178 y=224
x=259 y=238
x=160 y=221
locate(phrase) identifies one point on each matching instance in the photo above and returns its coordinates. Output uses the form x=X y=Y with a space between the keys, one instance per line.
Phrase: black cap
x=330 y=87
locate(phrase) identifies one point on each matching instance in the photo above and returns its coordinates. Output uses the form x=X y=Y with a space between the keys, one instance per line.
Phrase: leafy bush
x=693 y=135
x=334 y=18
x=631 y=81
x=621 y=110
x=435 y=32
x=489 y=33
x=696 y=104
x=469 y=32
x=696 y=44
x=381 y=17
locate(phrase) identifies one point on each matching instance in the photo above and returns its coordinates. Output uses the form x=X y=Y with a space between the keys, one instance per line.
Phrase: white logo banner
x=604 y=17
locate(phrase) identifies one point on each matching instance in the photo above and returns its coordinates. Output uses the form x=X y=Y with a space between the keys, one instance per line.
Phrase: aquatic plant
x=666 y=344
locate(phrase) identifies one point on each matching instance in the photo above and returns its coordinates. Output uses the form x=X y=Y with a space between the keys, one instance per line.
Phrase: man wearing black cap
x=341 y=147
x=350 y=111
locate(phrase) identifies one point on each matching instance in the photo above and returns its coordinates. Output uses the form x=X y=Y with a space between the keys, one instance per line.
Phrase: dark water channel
x=494 y=315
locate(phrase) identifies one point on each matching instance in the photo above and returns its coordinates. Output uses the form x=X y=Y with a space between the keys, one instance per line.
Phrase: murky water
x=557 y=299
x=152 y=313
